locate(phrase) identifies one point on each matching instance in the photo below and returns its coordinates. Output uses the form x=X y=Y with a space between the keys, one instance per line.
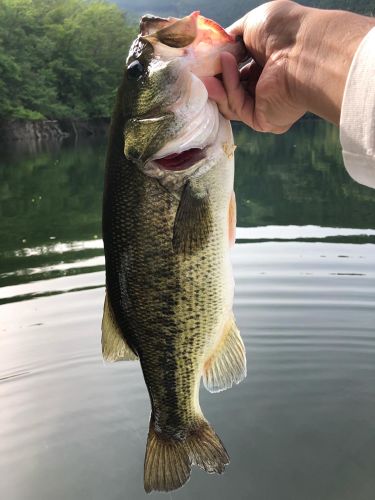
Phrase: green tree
x=60 y=58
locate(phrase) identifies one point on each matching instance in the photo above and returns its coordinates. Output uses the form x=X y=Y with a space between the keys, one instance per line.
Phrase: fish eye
x=135 y=70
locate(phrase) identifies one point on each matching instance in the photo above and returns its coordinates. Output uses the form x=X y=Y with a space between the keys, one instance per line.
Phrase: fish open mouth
x=181 y=161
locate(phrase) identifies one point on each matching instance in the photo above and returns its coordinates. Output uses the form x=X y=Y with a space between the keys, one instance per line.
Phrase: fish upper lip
x=151 y=117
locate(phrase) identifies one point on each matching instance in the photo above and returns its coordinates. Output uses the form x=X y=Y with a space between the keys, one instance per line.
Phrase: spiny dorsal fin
x=227 y=363
x=193 y=223
x=114 y=346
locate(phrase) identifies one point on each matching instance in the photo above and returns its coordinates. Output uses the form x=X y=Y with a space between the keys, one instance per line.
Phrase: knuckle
x=225 y=110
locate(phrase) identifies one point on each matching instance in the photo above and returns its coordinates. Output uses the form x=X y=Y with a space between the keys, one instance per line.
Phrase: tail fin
x=206 y=449
x=168 y=461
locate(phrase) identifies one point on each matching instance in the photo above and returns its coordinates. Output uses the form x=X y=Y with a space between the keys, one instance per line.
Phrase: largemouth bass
x=168 y=222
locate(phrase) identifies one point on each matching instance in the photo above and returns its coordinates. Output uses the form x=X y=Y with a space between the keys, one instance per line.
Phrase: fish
x=169 y=217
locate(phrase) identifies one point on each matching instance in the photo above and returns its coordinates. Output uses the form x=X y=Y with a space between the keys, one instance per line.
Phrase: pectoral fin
x=193 y=223
x=226 y=365
x=114 y=346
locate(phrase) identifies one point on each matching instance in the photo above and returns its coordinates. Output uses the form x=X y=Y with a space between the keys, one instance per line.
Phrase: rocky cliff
x=51 y=130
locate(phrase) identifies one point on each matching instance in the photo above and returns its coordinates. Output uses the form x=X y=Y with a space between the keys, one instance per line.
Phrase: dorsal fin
x=114 y=346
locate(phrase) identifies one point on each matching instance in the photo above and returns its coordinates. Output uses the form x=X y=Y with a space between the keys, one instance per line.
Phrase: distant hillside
x=226 y=12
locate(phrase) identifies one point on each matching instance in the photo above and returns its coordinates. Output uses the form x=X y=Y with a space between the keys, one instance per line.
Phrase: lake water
x=300 y=427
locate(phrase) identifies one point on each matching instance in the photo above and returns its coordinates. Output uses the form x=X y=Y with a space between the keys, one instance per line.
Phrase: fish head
x=170 y=124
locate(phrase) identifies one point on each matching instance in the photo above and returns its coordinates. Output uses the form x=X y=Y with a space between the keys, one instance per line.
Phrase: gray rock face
x=51 y=130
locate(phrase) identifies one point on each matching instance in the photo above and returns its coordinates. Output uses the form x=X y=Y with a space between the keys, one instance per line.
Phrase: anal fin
x=114 y=346
x=226 y=365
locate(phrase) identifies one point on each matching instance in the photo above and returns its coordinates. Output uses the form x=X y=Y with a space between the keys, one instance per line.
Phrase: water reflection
x=300 y=426
x=298 y=178
x=50 y=201
x=54 y=195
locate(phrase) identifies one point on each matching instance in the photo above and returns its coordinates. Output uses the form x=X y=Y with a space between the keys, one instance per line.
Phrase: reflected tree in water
x=298 y=178
x=295 y=178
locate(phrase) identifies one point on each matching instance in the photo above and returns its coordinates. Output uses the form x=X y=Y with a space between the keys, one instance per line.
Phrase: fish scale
x=159 y=304
x=169 y=286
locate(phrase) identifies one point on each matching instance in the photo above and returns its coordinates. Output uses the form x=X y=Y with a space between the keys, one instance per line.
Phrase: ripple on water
x=73 y=427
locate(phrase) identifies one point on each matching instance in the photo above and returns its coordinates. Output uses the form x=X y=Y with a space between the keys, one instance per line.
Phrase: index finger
x=240 y=103
x=237 y=28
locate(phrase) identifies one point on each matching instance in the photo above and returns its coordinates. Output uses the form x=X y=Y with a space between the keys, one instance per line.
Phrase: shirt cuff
x=357 y=121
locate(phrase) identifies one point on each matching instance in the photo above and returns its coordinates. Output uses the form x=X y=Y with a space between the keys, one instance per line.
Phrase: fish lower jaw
x=191 y=145
x=196 y=162
x=176 y=162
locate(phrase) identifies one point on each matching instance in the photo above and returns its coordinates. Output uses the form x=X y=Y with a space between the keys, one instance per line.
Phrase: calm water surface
x=302 y=425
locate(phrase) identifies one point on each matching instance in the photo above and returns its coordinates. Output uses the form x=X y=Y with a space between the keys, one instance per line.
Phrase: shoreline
x=13 y=131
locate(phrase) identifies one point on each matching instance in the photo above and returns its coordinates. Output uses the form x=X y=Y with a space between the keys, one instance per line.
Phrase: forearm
x=329 y=40
x=357 y=120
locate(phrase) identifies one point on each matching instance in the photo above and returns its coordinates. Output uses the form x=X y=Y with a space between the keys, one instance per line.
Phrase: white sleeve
x=357 y=121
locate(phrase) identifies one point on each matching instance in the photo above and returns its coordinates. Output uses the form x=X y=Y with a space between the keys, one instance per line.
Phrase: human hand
x=301 y=59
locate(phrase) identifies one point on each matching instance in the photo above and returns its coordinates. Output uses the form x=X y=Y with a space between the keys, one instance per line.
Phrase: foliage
x=64 y=58
x=60 y=58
